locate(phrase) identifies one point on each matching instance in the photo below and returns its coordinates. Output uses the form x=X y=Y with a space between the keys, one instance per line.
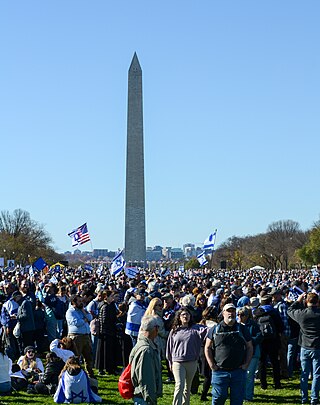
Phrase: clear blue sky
x=231 y=115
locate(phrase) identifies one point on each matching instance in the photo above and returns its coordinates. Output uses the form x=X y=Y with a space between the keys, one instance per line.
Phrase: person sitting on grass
x=31 y=365
x=49 y=380
x=5 y=371
x=74 y=385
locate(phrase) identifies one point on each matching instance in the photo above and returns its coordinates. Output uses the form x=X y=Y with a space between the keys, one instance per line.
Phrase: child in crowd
x=74 y=385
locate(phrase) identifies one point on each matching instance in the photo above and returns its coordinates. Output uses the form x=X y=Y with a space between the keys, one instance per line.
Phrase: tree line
x=283 y=246
x=24 y=240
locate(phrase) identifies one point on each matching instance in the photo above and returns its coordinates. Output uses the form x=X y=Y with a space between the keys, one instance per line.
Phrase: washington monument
x=135 y=227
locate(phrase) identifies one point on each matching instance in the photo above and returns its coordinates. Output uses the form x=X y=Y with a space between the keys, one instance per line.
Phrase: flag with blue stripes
x=117 y=264
x=131 y=272
x=88 y=267
x=210 y=241
x=202 y=258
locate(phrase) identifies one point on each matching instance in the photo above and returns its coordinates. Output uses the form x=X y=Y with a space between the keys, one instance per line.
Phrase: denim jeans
x=250 y=378
x=310 y=359
x=139 y=401
x=293 y=349
x=60 y=328
x=5 y=386
x=223 y=380
x=94 y=341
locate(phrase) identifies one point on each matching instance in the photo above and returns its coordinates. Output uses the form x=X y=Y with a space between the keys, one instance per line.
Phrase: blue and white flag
x=131 y=272
x=165 y=272
x=210 y=241
x=88 y=267
x=100 y=269
x=181 y=268
x=53 y=280
x=117 y=264
x=31 y=272
x=202 y=258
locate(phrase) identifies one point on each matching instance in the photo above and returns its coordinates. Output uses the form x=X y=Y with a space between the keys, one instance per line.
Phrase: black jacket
x=108 y=319
x=52 y=372
x=309 y=322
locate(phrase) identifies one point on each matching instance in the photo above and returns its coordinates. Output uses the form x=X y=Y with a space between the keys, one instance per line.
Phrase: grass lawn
x=108 y=390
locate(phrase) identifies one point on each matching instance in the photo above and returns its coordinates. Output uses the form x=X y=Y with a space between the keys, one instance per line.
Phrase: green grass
x=108 y=390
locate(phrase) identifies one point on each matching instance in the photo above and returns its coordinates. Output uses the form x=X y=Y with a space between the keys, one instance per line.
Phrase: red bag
x=125 y=385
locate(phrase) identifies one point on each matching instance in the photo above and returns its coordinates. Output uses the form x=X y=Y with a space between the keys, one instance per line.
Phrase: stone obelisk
x=135 y=228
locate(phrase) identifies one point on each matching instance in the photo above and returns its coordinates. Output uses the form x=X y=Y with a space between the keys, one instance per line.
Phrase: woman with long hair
x=183 y=351
x=200 y=306
x=49 y=380
x=74 y=385
x=30 y=365
x=155 y=308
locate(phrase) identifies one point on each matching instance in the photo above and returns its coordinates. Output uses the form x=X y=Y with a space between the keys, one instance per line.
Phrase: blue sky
x=231 y=115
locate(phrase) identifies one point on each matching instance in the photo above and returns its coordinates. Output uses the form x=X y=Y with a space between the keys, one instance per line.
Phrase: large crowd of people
x=59 y=330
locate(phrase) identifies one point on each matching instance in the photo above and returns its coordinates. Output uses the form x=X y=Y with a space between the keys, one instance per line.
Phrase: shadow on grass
x=278 y=399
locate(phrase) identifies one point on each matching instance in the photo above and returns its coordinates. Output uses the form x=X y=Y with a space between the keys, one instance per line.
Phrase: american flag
x=80 y=235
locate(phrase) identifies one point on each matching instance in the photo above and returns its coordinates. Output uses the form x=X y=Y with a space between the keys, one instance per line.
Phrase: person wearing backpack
x=145 y=364
x=271 y=327
x=228 y=350
x=281 y=306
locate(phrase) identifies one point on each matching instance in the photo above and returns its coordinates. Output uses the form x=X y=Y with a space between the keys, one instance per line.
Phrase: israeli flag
x=100 y=269
x=315 y=273
x=88 y=267
x=210 y=241
x=131 y=272
x=202 y=258
x=31 y=272
x=53 y=280
x=166 y=272
x=117 y=264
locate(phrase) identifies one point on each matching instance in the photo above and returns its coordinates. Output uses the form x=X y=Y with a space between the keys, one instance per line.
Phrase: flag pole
x=213 y=248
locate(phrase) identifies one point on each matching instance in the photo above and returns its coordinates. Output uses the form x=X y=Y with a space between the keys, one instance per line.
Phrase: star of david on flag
x=202 y=258
x=117 y=264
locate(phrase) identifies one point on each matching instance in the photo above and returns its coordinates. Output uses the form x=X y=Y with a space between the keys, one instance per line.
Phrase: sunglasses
x=30 y=351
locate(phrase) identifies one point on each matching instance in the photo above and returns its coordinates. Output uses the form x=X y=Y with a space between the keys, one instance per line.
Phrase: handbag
x=17 y=330
x=94 y=326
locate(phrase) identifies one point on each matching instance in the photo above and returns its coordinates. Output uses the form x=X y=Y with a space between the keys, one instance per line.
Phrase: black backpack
x=267 y=326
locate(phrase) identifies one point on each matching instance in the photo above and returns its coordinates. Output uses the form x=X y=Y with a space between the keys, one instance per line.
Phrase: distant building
x=176 y=253
x=100 y=253
x=77 y=252
x=189 y=250
x=154 y=254
x=166 y=253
